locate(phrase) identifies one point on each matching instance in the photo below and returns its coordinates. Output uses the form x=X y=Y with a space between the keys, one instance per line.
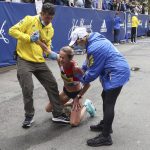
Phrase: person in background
x=79 y=3
x=135 y=23
x=88 y=3
x=117 y=21
x=95 y=4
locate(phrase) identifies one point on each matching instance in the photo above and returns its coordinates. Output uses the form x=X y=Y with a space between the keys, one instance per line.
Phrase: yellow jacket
x=135 y=21
x=22 y=31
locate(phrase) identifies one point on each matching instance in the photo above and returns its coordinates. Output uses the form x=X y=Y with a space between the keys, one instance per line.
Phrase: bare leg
x=82 y=112
x=77 y=116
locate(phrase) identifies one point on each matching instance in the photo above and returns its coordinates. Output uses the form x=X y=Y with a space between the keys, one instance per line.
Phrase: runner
x=73 y=89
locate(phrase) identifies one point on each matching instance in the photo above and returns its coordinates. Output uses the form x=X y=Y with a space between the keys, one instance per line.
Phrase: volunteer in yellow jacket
x=30 y=60
x=135 y=23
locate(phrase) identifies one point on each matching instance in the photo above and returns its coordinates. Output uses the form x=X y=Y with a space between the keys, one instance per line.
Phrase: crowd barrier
x=11 y=13
x=65 y=20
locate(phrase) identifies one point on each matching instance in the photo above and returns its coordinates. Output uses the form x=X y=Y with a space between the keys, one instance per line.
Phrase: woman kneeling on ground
x=73 y=89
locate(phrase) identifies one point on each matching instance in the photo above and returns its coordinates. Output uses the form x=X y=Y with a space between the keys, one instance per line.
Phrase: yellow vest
x=22 y=31
x=135 y=21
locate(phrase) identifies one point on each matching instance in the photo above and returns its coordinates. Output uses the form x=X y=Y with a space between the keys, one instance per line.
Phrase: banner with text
x=11 y=13
x=67 y=19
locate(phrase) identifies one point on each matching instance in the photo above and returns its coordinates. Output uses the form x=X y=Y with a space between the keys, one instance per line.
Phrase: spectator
x=135 y=23
x=122 y=6
x=148 y=32
x=28 y=1
x=49 y=1
x=117 y=22
x=128 y=7
x=110 y=5
x=71 y=3
x=62 y=2
x=88 y=4
x=104 y=5
x=95 y=4
x=115 y=5
x=79 y=3
x=143 y=9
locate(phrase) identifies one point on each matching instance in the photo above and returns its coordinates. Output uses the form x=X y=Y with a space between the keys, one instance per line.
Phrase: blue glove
x=35 y=36
x=53 y=55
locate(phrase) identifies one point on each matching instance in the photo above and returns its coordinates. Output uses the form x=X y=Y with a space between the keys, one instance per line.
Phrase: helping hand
x=76 y=105
x=35 y=36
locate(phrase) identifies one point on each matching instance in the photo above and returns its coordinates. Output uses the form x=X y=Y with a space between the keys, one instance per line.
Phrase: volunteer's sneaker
x=90 y=107
x=100 y=140
x=27 y=122
x=99 y=127
x=61 y=119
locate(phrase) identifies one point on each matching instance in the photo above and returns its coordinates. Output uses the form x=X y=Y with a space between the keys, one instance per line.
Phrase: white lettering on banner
x=129 y=21
x=146 y=24
x=140 y=24
x=2 y=33
x=81 y=24
x=122 y=25
x=103 y=27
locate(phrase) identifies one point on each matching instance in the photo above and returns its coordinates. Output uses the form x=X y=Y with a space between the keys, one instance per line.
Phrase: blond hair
x=69 y=51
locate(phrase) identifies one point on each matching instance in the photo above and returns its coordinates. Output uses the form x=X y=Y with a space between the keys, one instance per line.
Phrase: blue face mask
x=42 y=22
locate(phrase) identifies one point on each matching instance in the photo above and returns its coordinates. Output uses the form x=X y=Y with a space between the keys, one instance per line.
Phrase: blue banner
x=67 y=18
x=11 y=13
x=143 y=26
x=64 y=22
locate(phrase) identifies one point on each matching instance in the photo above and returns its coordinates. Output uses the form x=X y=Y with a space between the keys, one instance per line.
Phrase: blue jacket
x=117 y=22
x=106 y=62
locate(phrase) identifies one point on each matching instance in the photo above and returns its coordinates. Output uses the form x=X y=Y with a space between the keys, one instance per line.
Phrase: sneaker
x=100 y=140
x=90 y=107
x=61 y=119
x=116 y=44
x=27 y=122
x=99 y=127
x=67 y=110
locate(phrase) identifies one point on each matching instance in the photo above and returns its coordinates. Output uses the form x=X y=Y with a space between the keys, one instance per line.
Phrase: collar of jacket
x=39 y=19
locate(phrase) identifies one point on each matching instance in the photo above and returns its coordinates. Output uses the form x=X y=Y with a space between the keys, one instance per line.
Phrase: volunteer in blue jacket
x=103 y=60
x=117 y=22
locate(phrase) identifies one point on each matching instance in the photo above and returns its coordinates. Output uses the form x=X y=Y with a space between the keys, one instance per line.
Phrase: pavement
x=131 y=124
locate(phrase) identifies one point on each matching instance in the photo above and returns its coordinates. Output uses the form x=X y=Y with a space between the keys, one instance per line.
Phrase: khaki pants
x=25 y=69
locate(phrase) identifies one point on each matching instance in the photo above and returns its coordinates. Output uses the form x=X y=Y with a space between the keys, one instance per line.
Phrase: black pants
x=25 y=70
x=109 y=100
x=133 y=34
x=116 y=35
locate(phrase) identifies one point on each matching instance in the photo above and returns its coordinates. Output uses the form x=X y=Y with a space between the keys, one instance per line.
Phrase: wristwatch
x=79 y=96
